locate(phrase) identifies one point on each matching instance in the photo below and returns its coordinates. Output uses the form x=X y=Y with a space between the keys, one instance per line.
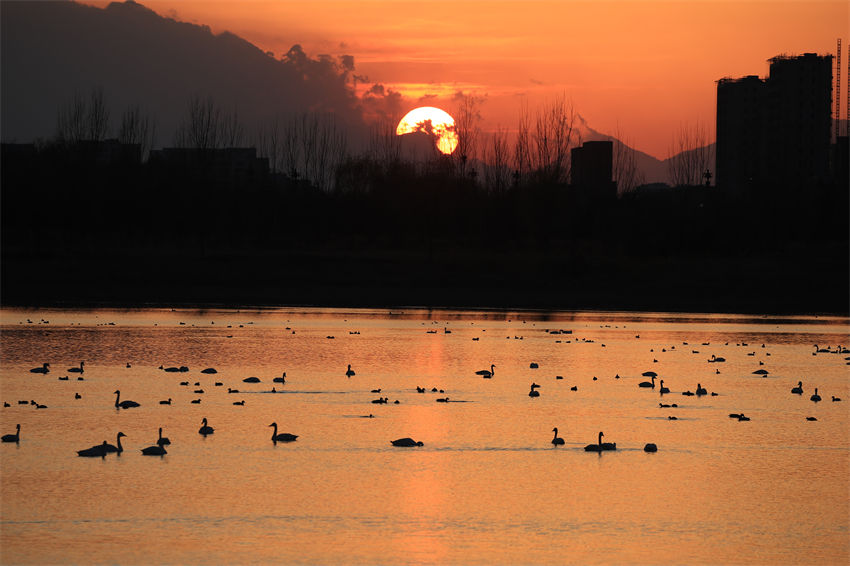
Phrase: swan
x=349 y=372
x=650 y=447
x=406 y=442
x=647 y=383
x=601 y=446
x=663 y=389
x=94 y=451
x=533 y=365
x=209 y=370
x=162 y=441
x=123 y=404
x=45 y=368
x=251 y=380
x=714 y=358
x=154 y=451
x=815 y=397
x=282 y=437
x=205 y=430
x=799 y=389
x=557 y=441
x=281 y=379
x=487 y=373
x=534 y=393
x=79 y=369
x=701 y=390
x=13 y=437
x=117 y=448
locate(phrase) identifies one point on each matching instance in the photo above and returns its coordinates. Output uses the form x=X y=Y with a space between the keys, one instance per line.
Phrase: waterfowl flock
x=158 y=448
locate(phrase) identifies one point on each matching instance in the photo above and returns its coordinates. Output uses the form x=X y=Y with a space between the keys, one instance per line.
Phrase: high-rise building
x=773 y=134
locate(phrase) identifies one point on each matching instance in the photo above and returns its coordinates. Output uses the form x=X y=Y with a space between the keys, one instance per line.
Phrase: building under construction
x=774 y=134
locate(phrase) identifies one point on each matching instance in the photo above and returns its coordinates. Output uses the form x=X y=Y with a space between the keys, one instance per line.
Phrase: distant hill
x=52 y=50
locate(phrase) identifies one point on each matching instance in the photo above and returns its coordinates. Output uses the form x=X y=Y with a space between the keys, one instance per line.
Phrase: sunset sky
x=640 y=68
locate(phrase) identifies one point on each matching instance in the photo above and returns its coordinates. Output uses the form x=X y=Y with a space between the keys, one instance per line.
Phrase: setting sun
x=432 y=121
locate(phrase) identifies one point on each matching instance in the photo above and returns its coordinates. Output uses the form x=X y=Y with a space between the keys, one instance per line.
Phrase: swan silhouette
x=282 y=437
x=406 y=442
x=205 y=430
x=701 y=390
x=154 y=450
x=815 y=397
x=647 y=383
x=534 y=393
x=487 y=373
x=45 y=368
x=663 y=389
x=13 y=437
x=123 y=404
x=600 y=446
x=94 y=452
x=116 y=448
x=162 y=441
x=557 y=441
x=349 y=372
x=80 y=369
x=799 y=389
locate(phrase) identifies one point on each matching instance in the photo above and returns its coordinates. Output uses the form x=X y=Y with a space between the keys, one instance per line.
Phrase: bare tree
x=554 y=135
x=137 y=128
x=97 y=116
x=232 y=132
x=80 y=119
x=384 y=142
x=269 y=142
x=625 y=168
x=522 y=149
x=467 y=119
x=689 y=155
x=201 y=127
x=498 y=171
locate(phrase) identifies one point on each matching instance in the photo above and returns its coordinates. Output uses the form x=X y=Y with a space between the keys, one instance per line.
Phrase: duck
x=282 y=437
x=741 y=417
x=835 y=399
x=574 y=388
x=162 y=441
x=209 y=370
x=534 y=393
x=811 y=418
x=701 y=390
x=349 y=372
x=251 y=380
x=205 y=430
x=240 y=403
x=406 y=442
x=45 y=368
x=650 y=447
x=663 y=389
x=155 y=450
x=229 y=390
x=80 y=369
x=487 y=373
x=94 y=452
x=799 y=389
x=443 y=400
x=13 y=437
x=647 y=383
x=815 y=397
x=123 y=404
x=196 y=401
x=77 y=396
x=166 y=402
x=557 y=441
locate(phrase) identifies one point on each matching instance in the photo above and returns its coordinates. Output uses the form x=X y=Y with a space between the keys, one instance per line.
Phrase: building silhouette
x=592 y=170
x=773 y=134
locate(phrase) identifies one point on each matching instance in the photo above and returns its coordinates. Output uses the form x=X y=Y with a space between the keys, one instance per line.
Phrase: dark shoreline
x=808 y=281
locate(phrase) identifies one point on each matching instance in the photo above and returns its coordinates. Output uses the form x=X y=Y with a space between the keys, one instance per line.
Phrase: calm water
x=487 y=487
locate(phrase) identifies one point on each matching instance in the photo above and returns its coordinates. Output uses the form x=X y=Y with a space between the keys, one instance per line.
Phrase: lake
x=487 y=487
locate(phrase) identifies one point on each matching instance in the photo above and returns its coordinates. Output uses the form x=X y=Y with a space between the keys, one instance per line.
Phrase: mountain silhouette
x=54 y=50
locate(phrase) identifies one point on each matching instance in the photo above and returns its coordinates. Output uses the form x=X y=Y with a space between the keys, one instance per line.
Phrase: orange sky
x=639 y=67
